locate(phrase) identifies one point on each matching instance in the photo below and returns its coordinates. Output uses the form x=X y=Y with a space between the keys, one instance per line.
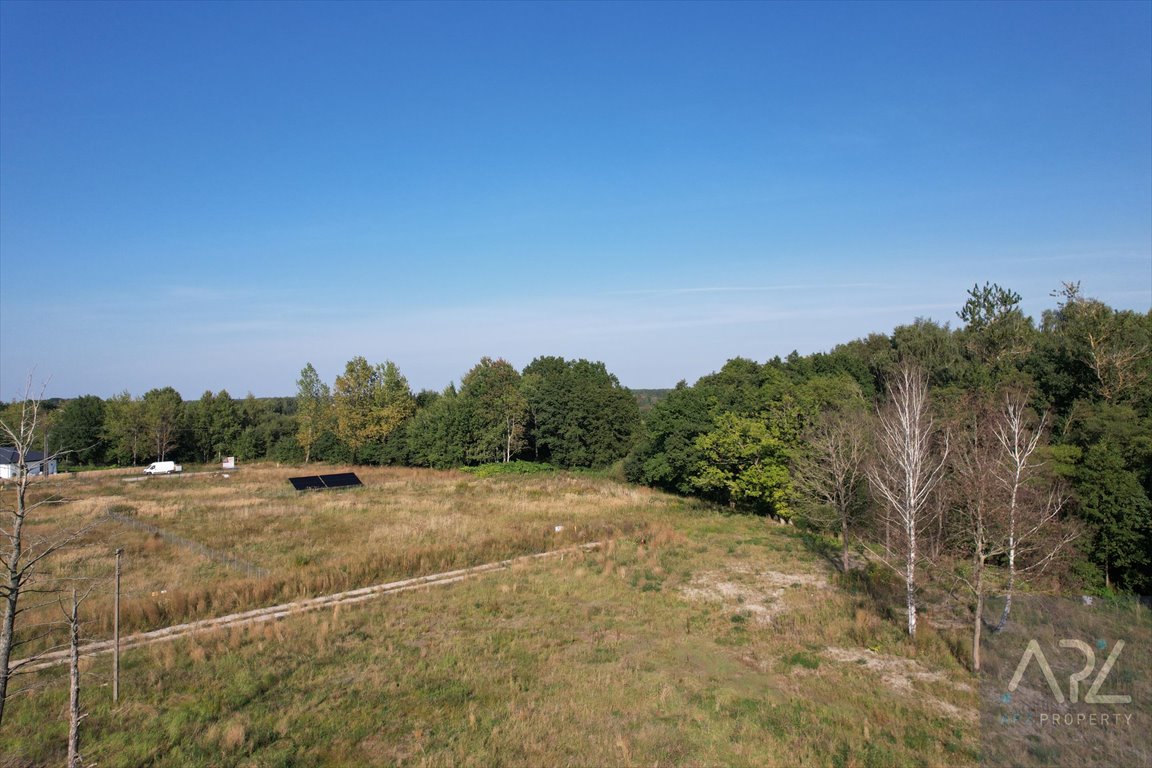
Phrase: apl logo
x=1093 y=696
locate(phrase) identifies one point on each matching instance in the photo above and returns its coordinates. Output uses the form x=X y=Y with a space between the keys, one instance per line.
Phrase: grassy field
x=290 y=545
x=691 y=638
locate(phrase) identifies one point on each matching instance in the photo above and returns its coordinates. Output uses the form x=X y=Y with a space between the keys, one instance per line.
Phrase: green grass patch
x=634 y=654
x=803 y=659
x=509 y=468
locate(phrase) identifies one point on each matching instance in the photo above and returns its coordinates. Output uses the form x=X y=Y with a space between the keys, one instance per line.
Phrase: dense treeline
x=762 y=436
x=571 y=413
x=797 y=438
x=127 y=431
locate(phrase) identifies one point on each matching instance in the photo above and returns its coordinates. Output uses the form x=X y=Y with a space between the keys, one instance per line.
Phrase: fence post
x=116 y=635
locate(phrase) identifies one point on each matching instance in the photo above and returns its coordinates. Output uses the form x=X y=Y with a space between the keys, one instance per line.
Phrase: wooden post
x=116 y=635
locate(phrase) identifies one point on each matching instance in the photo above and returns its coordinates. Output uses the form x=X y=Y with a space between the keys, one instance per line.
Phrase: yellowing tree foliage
x=370 y=402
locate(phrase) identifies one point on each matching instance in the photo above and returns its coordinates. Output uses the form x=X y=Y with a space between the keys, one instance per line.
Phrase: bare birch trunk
x=74 y=716
x=907 y=470
x=910 y=581
x=978 y=622
x=1008 y=589
x=1019 y=443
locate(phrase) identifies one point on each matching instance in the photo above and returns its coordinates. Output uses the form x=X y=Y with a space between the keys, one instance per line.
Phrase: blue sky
x=211 y=195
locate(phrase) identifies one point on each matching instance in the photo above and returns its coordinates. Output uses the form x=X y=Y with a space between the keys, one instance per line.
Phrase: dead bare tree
x=832 y=471
x=74 y=714
x=1030 y=509
x=908 y=466
x=1018 y=441
x=1007 y=509
x=22 y=555
x=981 y=505
x=1111 y=342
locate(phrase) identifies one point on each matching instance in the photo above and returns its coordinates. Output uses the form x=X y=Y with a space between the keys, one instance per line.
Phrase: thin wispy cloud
x=1074 y=258
x=610 y=199
x=735 y=289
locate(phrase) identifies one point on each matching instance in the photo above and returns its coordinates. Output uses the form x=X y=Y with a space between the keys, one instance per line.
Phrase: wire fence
x=243 y=566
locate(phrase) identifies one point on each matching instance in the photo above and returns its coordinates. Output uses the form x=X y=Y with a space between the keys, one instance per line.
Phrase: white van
x=163 y=468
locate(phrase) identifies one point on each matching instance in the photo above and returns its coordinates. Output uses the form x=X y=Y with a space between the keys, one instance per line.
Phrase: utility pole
x=116 y=635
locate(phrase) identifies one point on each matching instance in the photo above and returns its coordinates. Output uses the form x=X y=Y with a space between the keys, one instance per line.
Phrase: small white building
x=10 y=459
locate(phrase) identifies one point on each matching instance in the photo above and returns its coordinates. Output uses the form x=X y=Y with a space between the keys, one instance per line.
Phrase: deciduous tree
x=830 y=471
x=907 y=470
x=313 y=409
x=1007 y=508
x=215 y=424
x=1116 y=345
x=77 y=433
x=1119 y=514
x=580 y=415
x=437 y=434
x=125 y=427
x=370 y=402
x=979 y=494
x=23 y=552
x=668 y=456
x=163 y=410
x=495 y=411
x=744 y=464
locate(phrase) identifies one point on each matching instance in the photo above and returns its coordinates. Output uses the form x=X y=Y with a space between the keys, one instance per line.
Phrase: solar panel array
x=307 y=483
x=320 y=482
x=341 y=480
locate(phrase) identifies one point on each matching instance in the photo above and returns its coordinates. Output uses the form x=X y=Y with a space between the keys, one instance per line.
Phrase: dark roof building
x=10 y=459
x=9 y=455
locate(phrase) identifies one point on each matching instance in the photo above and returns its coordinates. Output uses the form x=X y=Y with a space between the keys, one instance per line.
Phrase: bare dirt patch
x=900 y=674
x=760 y=593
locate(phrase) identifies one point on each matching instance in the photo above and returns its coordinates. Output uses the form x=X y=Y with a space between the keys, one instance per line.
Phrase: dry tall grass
x=403 y=522
x=692 y=638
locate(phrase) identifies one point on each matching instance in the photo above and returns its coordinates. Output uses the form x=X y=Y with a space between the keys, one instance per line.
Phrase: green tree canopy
x=125 y=428
x=997 y=334
x=580 y=415
x=370 y=402
x=494 y=410
x=437 y=435
x=1114 y=504
x=215 y=422
x=313 y=409
x=1115 y=346
x=163 y=414
x=934 y=347
x=668 y=455
x=742 y=463
x=78 y=431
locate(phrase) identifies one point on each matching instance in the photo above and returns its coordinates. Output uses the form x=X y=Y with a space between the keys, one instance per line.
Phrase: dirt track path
x=275 y=612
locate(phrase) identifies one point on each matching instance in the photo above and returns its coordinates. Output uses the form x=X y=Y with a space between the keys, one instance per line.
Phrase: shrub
x=509 y=468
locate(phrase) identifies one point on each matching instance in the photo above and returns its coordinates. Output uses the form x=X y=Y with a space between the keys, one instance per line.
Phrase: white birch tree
x=1030 y=510
x=907 y=469
x=1007 y=509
